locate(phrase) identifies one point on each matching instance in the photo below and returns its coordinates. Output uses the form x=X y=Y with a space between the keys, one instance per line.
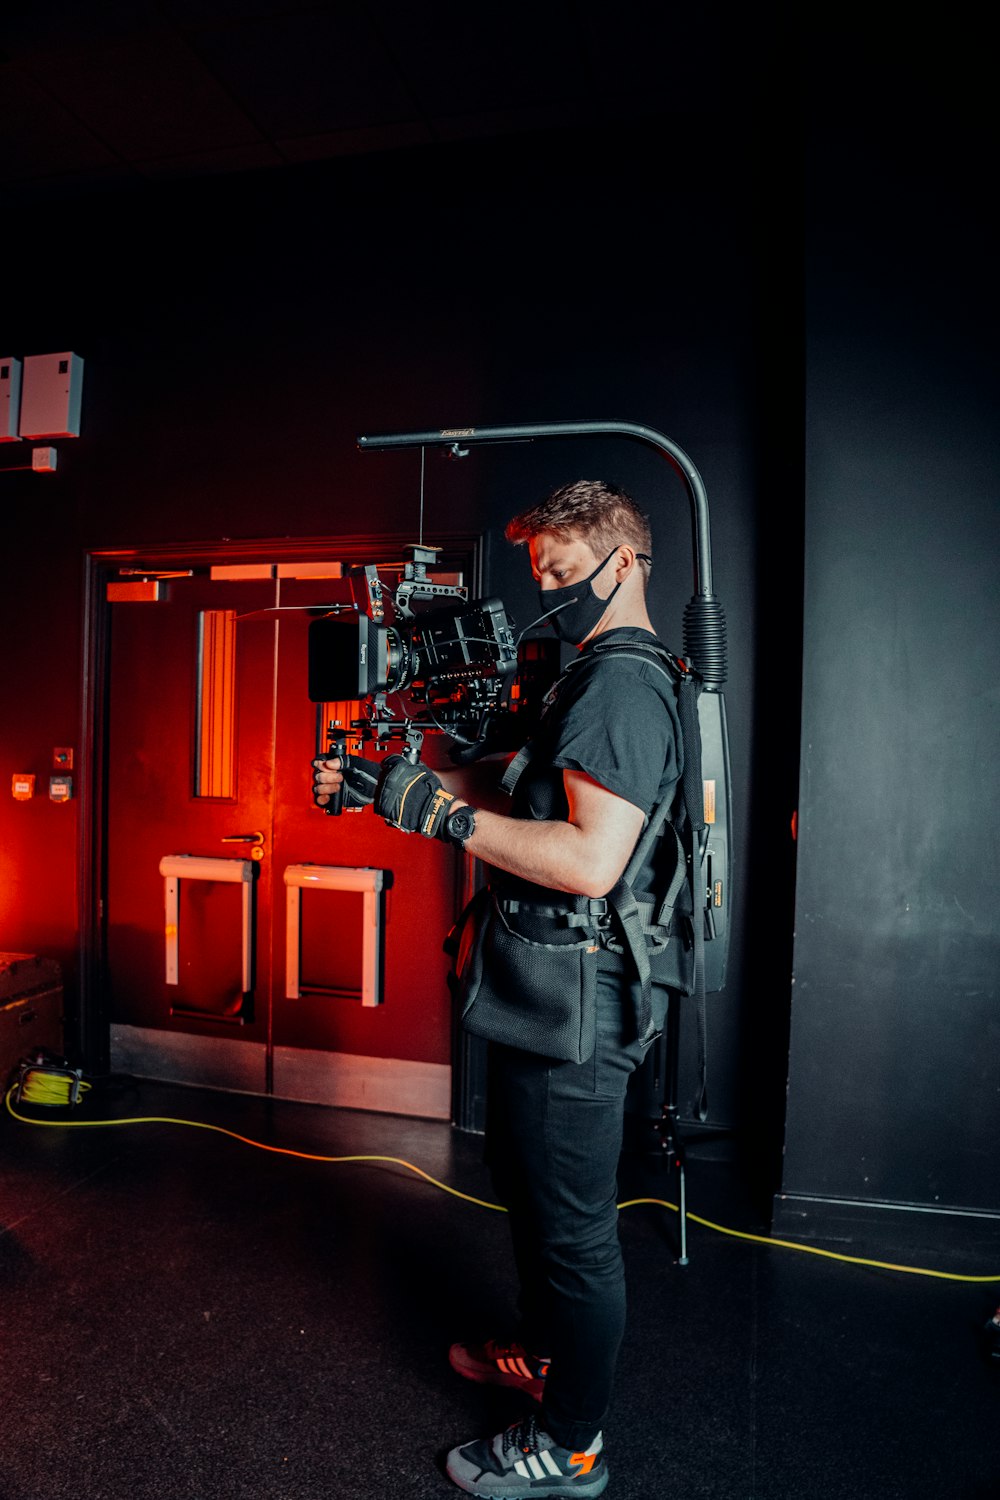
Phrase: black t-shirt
x=613 y=717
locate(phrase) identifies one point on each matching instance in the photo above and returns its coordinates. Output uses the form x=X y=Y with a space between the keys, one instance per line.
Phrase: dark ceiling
x=118 y=90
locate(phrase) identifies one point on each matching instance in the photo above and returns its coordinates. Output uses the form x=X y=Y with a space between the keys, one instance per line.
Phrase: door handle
x=255 y=840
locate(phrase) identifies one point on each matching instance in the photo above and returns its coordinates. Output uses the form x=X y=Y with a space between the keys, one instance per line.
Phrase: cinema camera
x=457 y=664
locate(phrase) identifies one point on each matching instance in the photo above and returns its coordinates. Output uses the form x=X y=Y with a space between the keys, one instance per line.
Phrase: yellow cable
x=260 y=1145
x=739 y=1234
x=853 y=1260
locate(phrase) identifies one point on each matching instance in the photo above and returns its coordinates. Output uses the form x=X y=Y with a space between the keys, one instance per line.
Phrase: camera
x=452 y=665
x=463 y=645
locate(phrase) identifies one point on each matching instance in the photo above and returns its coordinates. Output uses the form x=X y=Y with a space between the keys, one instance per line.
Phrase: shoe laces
x=522 y=1435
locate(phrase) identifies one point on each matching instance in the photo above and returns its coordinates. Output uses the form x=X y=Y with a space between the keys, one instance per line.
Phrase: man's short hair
x=592 y=511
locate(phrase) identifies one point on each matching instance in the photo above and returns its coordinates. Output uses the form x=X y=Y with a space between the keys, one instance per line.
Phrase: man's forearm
x=554 y=854
x=584 y=853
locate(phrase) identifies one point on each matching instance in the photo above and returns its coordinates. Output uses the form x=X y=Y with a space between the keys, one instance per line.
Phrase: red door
x=253 y=942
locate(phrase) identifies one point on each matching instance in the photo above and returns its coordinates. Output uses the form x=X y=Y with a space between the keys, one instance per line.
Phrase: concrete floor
x=188 y=1318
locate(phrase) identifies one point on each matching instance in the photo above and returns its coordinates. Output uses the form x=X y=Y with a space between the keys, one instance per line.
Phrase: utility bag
x=525 y=975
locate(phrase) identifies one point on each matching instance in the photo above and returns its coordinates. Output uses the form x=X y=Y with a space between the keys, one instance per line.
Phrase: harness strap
x=656 y=920
x=669 y=901
x=627 y=911
x=576 y=911
x=657 y=656
x=519 y=764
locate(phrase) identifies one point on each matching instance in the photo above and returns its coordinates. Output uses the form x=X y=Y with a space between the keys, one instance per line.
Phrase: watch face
x=461 y=823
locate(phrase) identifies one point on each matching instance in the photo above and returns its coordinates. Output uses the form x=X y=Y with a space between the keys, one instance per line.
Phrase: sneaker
x=524 y=1460
x=493 y=1363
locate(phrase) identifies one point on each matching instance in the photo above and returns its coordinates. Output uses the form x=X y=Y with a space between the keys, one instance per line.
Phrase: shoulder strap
x=670 y=665
x=649 y=651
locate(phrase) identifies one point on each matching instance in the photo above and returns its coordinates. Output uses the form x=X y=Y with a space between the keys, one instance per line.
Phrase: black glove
x=360 y=779
x=412 y=798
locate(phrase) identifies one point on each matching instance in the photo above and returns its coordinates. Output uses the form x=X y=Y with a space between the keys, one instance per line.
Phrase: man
x=606 y=753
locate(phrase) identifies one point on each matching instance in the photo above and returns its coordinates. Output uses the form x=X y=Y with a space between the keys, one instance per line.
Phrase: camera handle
x=414 y=742
x=338 y=747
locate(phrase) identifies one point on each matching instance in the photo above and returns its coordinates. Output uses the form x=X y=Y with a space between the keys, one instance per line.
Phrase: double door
x=251 y=941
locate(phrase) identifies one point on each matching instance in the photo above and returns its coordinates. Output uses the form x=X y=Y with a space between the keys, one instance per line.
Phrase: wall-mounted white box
x=51 y=391
x=10 y=399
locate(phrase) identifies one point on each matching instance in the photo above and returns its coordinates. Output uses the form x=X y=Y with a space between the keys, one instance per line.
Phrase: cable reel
x=49 y=1081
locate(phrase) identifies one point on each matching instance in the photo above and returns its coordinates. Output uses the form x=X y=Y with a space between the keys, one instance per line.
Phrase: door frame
x=93 y=1029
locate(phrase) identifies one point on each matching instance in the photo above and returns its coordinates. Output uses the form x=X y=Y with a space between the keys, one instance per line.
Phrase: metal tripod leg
x=670 y=1136
x=656 y=1105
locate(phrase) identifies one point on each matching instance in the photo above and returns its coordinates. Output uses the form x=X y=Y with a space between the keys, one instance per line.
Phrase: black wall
x=895 y=1035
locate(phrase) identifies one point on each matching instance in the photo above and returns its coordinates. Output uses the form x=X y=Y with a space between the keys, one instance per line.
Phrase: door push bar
x=370 y=883
x=177 y=867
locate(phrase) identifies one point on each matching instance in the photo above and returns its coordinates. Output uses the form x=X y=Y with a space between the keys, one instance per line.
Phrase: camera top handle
x=704 y=618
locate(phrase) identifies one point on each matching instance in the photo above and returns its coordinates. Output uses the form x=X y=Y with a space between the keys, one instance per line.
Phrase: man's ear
x=626 y=561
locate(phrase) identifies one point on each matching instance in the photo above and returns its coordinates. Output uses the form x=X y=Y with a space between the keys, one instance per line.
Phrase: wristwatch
x=460 y=825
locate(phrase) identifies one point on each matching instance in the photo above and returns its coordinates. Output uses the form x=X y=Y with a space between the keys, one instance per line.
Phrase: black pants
x=554 y=1135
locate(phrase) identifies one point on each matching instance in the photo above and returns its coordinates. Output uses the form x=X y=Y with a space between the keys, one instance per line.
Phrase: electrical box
x=51 y=392
x=10 y=399
x=22 y=786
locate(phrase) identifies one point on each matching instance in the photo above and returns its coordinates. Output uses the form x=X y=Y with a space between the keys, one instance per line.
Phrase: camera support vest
x=646 y=926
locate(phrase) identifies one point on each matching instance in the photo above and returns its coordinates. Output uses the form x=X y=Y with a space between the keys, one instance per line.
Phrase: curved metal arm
x=458 y=438
x=704 y=617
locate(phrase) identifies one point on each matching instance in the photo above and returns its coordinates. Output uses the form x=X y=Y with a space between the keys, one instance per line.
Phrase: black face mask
x=573 y=611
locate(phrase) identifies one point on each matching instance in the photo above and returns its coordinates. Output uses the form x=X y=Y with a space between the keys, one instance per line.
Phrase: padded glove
x=360 y=779
x=412 y=798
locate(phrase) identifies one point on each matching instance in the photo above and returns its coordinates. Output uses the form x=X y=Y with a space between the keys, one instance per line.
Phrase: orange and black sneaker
x=525 y=1461
x=494 y=1363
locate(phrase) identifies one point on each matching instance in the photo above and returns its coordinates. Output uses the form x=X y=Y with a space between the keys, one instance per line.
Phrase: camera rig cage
x=455 y=662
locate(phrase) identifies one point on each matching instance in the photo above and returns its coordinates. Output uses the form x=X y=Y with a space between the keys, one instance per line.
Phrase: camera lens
x=397 y=670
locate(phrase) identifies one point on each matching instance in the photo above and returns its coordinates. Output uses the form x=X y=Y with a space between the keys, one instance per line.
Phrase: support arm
x=704 y=621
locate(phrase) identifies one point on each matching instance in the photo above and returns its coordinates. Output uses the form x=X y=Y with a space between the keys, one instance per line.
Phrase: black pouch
x=515 y=989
